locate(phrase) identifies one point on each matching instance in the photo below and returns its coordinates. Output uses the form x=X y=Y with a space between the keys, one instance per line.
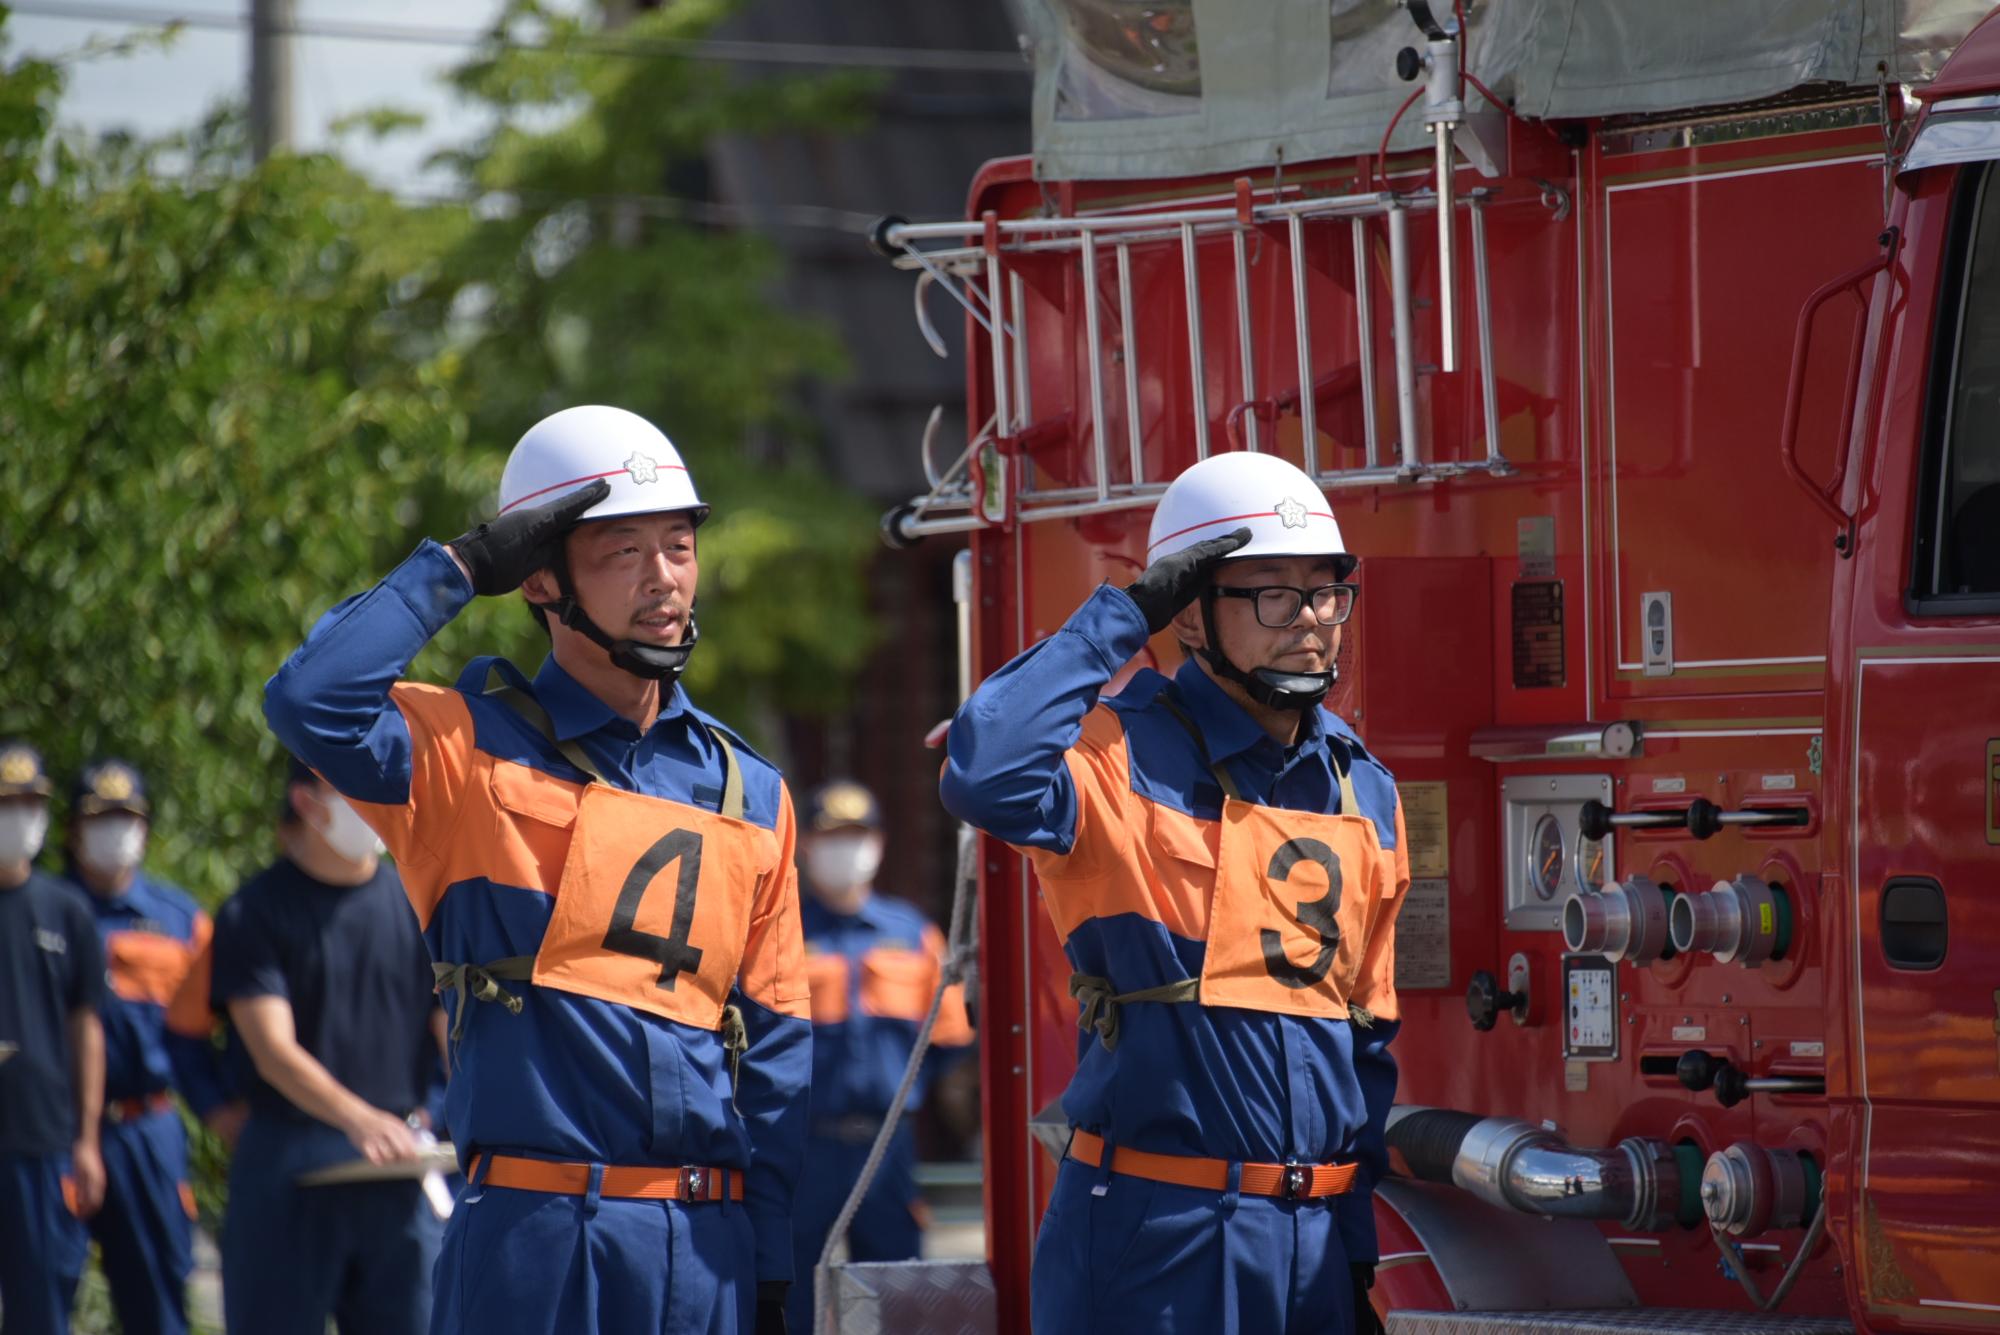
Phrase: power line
x=648 y=48
x=801 y=217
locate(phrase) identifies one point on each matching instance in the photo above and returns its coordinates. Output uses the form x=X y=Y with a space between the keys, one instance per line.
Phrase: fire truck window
x=1965 y=557
x=1127 y=60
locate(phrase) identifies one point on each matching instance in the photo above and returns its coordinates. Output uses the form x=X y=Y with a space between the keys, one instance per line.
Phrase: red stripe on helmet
x=587 y=477
x=1231 y=519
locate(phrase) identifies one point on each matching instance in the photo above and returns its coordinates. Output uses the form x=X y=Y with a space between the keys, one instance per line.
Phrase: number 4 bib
x=653 y=909
x=654 y=906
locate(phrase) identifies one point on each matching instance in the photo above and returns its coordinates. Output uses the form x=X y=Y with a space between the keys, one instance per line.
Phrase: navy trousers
x=144 y=1232
x=45 y=1245
x=292 y=1256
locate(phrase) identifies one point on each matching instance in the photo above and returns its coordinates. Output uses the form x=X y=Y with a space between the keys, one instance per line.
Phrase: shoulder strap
x=1343 y=767
x=1222 y=779
x=1350 y=805
x=732 y=775
x=532 y=713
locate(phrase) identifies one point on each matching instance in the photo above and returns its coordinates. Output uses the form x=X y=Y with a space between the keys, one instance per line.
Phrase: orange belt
x=632 y=1183
x=1293 y=1181
x=126 y=1110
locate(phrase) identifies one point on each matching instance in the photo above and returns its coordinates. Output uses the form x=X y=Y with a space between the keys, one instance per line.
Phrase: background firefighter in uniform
x=1223 y=861
x=51 y=1064
x=604 y=876
x=327 y=986
x=875 y=963
x=152 y=933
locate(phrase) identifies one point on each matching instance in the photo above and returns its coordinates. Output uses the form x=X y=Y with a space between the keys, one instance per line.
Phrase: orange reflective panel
x=146 y=966
x=826 y=973
x=1295 y=896
x=654 y=907
x=898 y=984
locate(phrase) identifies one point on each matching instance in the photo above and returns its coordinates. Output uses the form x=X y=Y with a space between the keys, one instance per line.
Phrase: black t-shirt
x=51 y=964
x=353 y=965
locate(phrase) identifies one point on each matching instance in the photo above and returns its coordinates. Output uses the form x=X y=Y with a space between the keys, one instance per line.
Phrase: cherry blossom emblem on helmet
x=642 y=467
x=1291 y=512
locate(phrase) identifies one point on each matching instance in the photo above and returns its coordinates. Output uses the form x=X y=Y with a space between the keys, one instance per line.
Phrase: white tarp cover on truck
x=1144 y=88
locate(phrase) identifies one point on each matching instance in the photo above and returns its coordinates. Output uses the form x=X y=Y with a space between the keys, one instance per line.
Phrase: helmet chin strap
x=1267 y=686
x=650 y=662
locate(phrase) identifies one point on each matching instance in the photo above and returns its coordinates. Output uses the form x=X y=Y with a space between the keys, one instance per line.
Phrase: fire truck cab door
x=1918 y=696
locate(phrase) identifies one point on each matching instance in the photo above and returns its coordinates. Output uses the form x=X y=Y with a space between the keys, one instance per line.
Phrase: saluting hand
x=500 y=554
x=1172 y=582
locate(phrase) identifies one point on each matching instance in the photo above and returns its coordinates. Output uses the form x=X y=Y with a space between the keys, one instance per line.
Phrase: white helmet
x=579 y=445
x=1286 y=513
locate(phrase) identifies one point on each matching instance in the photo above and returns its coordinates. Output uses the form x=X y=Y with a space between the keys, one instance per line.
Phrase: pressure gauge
x=1546 y=854
x=1591 y=860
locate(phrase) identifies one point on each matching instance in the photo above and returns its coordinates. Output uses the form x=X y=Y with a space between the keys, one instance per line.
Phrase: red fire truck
x=1659 y=390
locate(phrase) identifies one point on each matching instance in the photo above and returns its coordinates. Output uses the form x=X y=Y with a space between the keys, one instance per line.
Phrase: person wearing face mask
x=875 y=963
x=604 y=874
x=321 y=970
x=51 y=1064
x=152 y=933
x=1223 y=861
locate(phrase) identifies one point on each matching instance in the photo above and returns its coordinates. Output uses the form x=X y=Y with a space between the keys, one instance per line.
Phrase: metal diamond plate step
x=904 y=1297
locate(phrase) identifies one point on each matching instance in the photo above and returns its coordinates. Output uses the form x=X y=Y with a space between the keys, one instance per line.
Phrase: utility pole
x=271 y=24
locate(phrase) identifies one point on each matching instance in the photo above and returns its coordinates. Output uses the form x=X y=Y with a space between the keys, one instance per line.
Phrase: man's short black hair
x=296 y=771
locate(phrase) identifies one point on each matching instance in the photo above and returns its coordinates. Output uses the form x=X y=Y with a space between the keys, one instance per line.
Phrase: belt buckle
x=692 y=1182
x=1297 y=1181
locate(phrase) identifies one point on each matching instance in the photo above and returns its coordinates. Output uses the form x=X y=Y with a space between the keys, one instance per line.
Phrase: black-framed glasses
x=1277 y=605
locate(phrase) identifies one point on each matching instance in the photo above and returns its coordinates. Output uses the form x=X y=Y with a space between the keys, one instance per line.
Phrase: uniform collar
x=125 y=901
x=1227 y=728
x=868 y=915
x=575 y=712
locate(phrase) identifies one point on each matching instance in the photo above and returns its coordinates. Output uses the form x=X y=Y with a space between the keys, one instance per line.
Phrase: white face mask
x=345 y=832
x=111 y=845
x=23 y=826
x=837 y=862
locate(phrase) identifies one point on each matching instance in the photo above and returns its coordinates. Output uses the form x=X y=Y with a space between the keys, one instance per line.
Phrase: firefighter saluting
x=1223 y=862
x=604 y=877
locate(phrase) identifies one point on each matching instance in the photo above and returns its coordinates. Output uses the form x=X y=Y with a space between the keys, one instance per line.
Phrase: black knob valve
x=1698 y=1071
x=1485 y=999
x=1409 y=64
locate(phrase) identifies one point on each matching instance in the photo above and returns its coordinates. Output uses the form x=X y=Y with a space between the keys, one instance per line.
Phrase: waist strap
x=481 y=982
x=1099 y=1007
x=637 y=1183
x=1290 y=1181
x=129 y=1110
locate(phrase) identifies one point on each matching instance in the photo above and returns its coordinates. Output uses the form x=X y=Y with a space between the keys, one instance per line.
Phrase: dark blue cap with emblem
x=109 y=785
x=21 y=771
x=841 y=802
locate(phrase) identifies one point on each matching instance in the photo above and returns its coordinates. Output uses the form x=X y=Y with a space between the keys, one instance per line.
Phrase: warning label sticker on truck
x=1427 y=826
x=1423 y=936
x=1538 y=634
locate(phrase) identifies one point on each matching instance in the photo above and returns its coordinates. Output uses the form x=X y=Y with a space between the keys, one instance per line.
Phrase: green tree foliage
x=231 y=395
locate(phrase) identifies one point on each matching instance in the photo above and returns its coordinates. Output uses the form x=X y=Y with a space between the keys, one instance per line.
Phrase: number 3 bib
x=1294 y=895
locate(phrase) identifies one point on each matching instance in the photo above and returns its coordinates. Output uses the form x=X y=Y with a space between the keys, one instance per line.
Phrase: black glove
x=1172 y=582
x=771 y=1307
x=1365 y=1320
x=503 y=553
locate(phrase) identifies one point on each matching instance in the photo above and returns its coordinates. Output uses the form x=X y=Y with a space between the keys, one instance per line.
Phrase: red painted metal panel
x=1665 y=310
